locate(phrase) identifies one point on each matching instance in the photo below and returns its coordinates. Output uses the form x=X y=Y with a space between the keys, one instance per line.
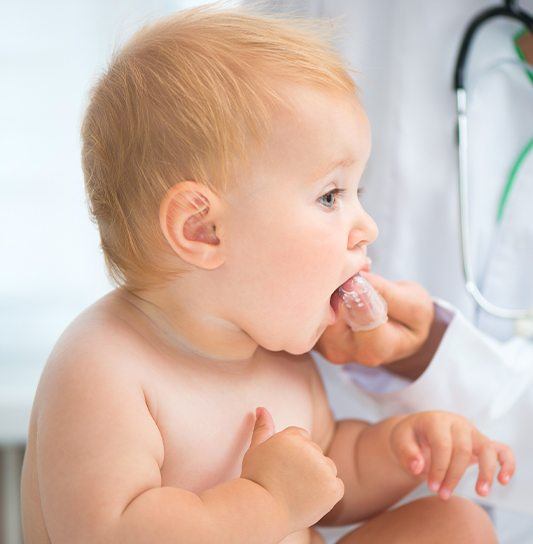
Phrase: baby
x=222 y=152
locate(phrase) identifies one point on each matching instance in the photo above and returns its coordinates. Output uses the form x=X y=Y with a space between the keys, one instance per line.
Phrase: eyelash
x=339 y=192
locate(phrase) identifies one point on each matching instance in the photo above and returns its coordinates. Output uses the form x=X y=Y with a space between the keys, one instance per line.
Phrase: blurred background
x=52 y=268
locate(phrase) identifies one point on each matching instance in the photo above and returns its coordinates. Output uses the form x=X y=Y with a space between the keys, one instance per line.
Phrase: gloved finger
x=384 y=344
x=407 y=302
x=365 y=308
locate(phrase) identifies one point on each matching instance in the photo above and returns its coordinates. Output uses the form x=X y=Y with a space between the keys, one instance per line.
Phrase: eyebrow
x=345 y=162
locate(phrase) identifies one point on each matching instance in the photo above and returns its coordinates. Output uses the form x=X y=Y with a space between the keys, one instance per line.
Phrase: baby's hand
x=294 y=470
x=441 y=446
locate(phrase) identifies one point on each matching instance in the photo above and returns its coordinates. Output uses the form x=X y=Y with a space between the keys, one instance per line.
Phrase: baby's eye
x=330 y=196
x=334 y=192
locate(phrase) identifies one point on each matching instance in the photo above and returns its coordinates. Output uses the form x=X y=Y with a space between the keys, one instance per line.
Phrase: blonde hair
x=185 y=99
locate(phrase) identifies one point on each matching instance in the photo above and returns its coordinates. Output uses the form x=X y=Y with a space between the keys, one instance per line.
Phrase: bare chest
x=206 y=419
x=207 y=428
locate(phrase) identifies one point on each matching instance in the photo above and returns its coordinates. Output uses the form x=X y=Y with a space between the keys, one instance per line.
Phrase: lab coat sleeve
x=470 y=373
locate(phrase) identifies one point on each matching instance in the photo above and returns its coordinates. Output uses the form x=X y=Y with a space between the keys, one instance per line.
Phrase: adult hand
x=411 y=313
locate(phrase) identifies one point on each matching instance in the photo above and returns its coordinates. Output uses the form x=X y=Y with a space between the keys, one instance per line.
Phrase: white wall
x=51 y=52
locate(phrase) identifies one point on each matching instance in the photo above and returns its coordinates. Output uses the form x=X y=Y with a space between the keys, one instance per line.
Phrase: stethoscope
x=523 y=317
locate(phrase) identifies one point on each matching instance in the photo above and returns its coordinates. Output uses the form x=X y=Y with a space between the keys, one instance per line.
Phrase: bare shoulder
x=99 y=335
x=97 y=351
x=96 y=442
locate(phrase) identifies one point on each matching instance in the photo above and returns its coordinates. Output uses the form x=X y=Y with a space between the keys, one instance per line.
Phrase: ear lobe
x=187 y=218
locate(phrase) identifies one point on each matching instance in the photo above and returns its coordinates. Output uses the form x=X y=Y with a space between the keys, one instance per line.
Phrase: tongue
x=336 y=297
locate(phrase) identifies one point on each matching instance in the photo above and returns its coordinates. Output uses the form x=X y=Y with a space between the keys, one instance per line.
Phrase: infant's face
x=290 y=240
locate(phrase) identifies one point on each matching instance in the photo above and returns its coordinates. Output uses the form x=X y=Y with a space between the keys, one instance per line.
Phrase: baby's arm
x=388 y=483
x=99 y=455
x=374 y=480
x=381 y=463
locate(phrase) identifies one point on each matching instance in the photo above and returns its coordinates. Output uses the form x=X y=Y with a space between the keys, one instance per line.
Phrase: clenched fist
x=294 y=470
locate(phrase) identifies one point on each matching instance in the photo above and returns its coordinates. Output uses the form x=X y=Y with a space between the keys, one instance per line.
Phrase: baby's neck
x=193 y=329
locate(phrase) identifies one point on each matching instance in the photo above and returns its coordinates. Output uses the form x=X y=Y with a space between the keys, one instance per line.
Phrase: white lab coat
x=405 y=53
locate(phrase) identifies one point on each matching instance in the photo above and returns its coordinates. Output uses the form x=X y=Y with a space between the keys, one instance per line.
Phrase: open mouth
x=335 y=300
x=366 y=308
x=336 y=297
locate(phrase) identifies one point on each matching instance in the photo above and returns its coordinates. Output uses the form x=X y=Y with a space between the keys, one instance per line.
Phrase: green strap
x=524 y=153
x=512 y=178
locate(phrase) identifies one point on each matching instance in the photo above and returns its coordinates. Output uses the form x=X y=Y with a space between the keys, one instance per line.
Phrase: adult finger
x=386 y=343
x=408 y=302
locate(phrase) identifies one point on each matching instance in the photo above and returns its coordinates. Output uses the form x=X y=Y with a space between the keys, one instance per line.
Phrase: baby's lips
x=366 y=308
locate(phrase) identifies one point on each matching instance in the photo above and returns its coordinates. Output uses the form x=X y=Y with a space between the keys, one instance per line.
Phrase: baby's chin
x=297 y=351
x=285 y=333
x=306 y=345
x=296 y=346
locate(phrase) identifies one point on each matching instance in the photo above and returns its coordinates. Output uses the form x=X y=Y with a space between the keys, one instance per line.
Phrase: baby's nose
x=372 y=230
x=364 y=233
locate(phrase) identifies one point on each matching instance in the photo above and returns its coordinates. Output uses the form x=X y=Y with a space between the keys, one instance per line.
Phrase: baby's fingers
x=407 y=450
x=461 y=455
x=440 y=442
x=507 y=462
x=488 y=460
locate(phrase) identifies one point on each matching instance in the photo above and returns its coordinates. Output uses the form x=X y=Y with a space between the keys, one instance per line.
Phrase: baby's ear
x=188 y=215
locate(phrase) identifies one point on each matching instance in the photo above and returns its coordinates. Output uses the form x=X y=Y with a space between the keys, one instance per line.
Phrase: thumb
x=263 y=428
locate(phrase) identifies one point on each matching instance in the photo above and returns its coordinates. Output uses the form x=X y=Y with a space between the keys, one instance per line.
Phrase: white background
x=51 y=53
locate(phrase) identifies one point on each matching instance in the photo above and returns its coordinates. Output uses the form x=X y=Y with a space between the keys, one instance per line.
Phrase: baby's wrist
x=277 y=508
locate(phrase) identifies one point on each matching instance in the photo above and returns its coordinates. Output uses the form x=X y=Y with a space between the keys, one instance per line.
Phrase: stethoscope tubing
x=510 y=10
